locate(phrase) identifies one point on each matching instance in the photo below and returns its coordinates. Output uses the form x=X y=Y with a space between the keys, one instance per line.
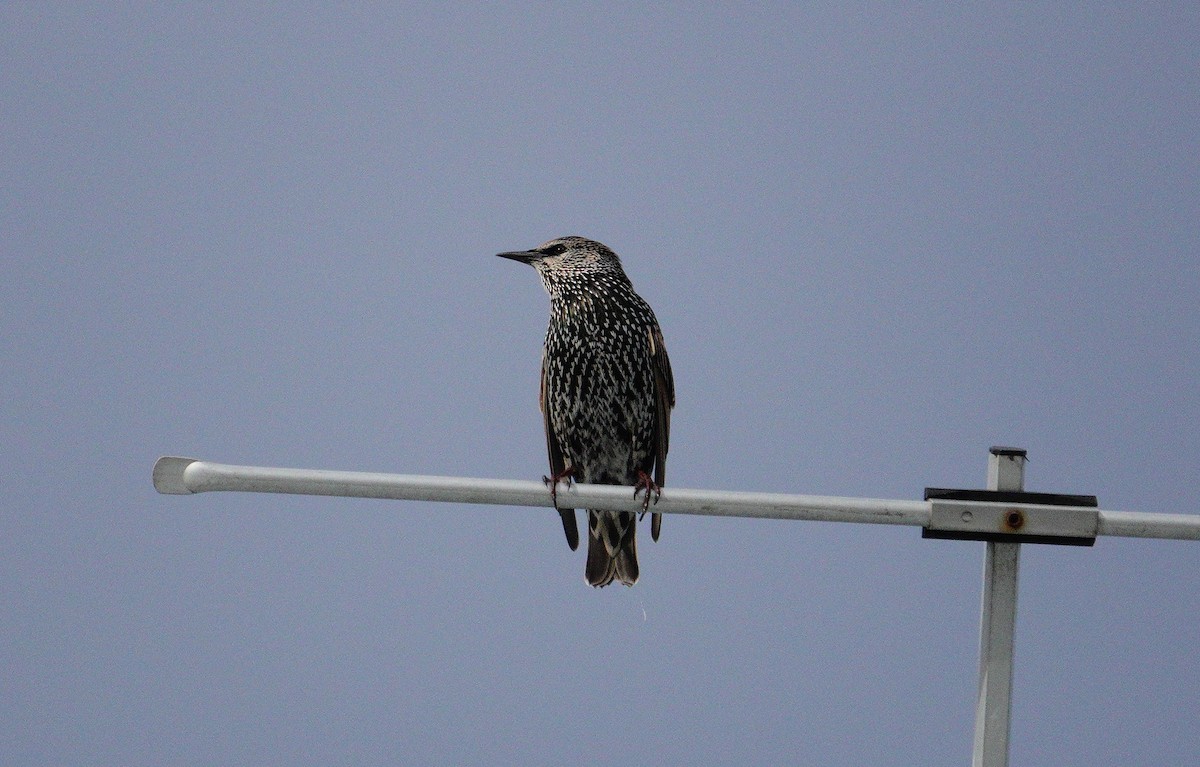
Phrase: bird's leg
x=647 y=485
x=552 y=481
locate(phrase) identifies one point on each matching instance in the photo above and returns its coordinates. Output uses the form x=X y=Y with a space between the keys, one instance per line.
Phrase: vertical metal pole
x=997 y=624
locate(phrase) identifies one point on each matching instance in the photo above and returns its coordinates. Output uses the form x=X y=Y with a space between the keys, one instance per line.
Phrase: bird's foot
x=552 y=481
x=647 y=485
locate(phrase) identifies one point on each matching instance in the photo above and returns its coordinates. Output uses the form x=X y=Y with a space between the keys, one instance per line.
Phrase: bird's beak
x=524 y=256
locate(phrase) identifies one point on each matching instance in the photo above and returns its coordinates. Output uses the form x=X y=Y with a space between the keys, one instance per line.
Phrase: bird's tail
x=612 y=548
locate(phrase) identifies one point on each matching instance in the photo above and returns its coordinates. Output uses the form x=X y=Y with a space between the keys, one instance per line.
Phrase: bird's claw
x=647 y=485
x=552 y=482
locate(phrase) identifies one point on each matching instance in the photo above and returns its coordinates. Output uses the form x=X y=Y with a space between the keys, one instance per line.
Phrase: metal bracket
x=1012 y=517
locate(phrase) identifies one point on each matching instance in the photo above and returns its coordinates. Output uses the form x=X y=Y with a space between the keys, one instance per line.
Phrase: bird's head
x=567 y=260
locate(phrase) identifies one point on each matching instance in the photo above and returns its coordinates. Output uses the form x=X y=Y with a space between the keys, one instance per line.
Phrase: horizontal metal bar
x=188 y=475
x=1140 y=524
x=182 y=476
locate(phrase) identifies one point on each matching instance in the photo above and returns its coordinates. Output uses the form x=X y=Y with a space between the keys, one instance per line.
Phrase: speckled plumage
x=606 y=392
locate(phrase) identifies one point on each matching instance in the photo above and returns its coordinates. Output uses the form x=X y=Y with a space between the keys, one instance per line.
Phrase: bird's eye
x=556 y=249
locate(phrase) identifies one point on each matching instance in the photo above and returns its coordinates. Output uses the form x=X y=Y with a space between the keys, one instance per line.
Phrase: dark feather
x=612 y=548
x=557 y=465
x=664 y=400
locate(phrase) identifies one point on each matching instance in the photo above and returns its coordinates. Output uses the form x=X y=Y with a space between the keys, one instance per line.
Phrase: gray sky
x=878 y=242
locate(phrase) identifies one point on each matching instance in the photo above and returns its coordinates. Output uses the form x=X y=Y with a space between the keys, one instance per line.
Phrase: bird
x=606 y=394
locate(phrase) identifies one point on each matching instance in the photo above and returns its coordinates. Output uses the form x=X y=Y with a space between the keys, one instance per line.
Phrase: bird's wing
x=664 y=400
x=557 y=464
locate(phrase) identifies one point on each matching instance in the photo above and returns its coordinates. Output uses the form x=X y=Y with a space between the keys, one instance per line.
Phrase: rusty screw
x=1014 y=520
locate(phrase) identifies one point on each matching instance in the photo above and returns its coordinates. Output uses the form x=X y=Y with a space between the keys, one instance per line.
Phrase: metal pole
x=186 y=476
x=999 y=520
x=997 y=624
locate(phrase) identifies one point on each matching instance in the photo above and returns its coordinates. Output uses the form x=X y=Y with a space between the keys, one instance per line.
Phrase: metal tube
x=185 y=476
x=997 y=624
x=1137 y=524
x=188 y=475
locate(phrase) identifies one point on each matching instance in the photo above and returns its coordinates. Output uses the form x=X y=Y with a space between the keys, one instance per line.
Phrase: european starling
x=606 y=394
